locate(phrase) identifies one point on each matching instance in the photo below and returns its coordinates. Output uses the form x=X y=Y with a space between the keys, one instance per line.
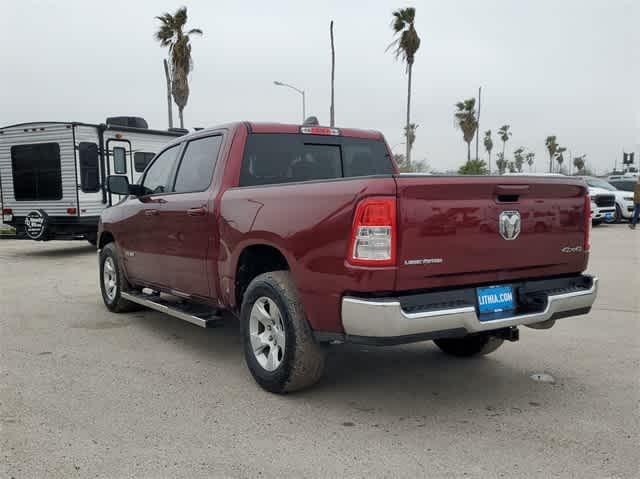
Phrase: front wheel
x=596 y=222
x=279 y=348
x=477 y=345
x=113 y=282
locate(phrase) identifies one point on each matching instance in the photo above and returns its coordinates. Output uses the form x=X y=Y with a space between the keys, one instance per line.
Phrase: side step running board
x=199 y=315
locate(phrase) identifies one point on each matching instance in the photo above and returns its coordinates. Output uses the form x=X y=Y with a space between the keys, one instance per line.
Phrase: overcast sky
x=569 y=68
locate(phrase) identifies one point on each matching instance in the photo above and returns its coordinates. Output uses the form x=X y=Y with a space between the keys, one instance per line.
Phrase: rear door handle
x=151 y=212
x=197 y=211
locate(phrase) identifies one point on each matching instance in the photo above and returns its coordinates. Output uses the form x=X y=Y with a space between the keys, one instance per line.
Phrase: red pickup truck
x=311 y=237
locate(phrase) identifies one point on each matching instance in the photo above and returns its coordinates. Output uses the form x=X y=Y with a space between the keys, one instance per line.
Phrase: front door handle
x=197 y=211
x=151 y=212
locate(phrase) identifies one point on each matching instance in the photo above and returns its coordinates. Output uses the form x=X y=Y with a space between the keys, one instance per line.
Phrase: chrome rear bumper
x=385 y=318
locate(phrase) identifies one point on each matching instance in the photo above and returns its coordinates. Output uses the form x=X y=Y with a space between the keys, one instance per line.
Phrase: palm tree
x=578 y=162
x=530 y=157
x=559 y=157
x=501 y=163
x=473 y=167
x=410 y=134
x=171 y=34
x=518 y=159
x=488 y=145
x=466 y=120
x=405 y=46
x=552 y=148
x=504 y=135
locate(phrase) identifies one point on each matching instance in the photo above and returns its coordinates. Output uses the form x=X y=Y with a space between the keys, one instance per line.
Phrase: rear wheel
x=279 y=347
x=113 y=282
x=476 y=345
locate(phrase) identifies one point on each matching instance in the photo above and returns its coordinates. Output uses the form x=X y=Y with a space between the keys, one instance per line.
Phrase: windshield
x=598 y=183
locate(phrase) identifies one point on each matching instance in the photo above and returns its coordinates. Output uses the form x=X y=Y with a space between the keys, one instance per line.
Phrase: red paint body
x=451 y=218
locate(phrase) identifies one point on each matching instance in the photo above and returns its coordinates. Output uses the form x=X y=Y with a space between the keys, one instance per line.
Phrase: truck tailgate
x=449 y=229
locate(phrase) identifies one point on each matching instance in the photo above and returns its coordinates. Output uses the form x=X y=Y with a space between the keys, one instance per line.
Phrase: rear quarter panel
x=310 y=223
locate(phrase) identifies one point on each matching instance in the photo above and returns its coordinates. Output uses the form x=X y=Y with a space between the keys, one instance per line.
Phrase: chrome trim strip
x=385 y=318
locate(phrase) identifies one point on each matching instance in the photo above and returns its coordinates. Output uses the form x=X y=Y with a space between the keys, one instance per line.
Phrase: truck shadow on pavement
x=61 y=252
x=402 y=382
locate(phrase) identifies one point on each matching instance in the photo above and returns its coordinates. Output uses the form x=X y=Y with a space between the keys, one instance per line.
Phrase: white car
x=603 y=205
x=624 y=176
x=623 y=199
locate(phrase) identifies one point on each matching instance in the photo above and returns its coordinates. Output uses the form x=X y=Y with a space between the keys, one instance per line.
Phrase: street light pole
x=304 y=108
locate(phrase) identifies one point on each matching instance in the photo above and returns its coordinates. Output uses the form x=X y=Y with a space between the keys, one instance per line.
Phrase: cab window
x=196 y=167
x=159 y=176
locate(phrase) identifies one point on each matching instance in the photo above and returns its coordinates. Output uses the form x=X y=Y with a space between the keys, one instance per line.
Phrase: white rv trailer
x=53 y=174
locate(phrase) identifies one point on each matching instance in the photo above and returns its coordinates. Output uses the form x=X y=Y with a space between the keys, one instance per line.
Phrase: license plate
x=495 y=299
x=608 y=216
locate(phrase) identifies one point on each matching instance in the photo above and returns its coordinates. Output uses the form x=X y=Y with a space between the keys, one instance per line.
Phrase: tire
x=469 y=346
x=277 y=369
x=92 y=240
x=111 y=293
x=596 y=222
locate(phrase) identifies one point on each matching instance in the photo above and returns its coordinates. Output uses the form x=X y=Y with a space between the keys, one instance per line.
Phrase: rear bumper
x=386 y=321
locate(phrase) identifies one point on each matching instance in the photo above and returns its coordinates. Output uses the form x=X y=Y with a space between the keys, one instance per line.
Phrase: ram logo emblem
x=509 y=224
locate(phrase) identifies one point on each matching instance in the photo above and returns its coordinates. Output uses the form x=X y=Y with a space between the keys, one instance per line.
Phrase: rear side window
x=36 y=172
x=285 y=158
x=89 y=167
x=158 y=177
x=120 y=160
x=196 y=167
x=141 y=159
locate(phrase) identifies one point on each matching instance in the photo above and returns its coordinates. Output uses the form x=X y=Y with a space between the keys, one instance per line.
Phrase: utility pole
x=332 y=119
x=478 y=127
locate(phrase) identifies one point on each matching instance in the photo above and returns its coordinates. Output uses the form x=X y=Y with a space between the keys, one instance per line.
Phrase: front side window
x=89 y=167
x=158 y=177
x=141 y=159
x=196 y=168
x=36 y=172
x=285 y=158
x=120 y=160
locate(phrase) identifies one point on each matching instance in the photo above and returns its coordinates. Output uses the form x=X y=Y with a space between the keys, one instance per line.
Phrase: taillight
x=373 y=237
x=71 y=211
x=587 y=223
x=7 y=211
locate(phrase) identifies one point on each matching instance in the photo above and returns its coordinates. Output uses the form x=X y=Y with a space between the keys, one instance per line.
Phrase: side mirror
x=119 y=185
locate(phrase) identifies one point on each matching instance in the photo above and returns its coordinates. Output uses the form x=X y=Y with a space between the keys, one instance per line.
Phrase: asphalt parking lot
x=86 y=393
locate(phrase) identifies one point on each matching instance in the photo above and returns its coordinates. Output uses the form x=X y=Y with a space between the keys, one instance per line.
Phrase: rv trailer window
x=141 y=159
x=36 y=172
x=120 y=160
x=89 y=167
